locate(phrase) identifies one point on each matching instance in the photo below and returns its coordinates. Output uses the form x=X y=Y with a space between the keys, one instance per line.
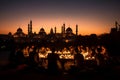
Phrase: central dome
x=42 y=30
x=68 y=30
x=19 y=30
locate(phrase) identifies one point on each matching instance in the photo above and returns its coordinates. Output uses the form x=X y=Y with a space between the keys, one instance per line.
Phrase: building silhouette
x=115 y=29
x=76 y=30
x=67 y=38
x=30 y=28
x=19 y=33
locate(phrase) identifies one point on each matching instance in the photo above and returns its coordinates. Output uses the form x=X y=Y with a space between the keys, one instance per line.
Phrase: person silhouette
x=33 y=57
x=52 y=62
x=99 y=57
x=19 y=57
x=79 y=59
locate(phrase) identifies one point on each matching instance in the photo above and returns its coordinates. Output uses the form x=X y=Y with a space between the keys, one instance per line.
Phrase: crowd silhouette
x=65 y=60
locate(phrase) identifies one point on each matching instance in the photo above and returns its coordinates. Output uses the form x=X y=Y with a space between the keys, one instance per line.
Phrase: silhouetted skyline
x=92 y=16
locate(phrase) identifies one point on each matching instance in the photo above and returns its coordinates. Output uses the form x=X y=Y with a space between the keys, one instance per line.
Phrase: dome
x=19 y=33
x=69 y=29
x=42 y=30
x=19 y=30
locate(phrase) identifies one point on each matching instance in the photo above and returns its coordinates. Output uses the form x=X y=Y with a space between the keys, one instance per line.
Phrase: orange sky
x=86 y=26
x=92 y=16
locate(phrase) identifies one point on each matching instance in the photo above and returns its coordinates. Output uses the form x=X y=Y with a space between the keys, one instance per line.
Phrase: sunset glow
x=92 y=17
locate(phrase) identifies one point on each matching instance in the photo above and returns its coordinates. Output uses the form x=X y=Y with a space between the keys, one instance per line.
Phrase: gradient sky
x=92 y=16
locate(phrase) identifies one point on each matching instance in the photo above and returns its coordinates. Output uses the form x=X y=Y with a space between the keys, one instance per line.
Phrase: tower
x=64 y=28
x=51 y=31
x=30 y=28
x=55 y=30
x=76 y=29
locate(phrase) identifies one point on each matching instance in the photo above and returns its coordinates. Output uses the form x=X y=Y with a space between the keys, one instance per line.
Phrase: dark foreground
x=25 y=72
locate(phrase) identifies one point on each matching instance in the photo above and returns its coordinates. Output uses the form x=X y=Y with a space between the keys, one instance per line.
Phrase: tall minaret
x=76 y=29
x=55 y=30
x=51 y=31
x=30 y=26
x=64 y=28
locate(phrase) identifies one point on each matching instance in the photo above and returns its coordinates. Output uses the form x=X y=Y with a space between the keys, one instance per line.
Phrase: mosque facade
x=65 y=35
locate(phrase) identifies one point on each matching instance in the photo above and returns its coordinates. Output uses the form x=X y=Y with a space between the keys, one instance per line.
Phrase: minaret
x=64 y=28
x=51 y=31
x=55 y=30
x=30 y=26
x=76 y=29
